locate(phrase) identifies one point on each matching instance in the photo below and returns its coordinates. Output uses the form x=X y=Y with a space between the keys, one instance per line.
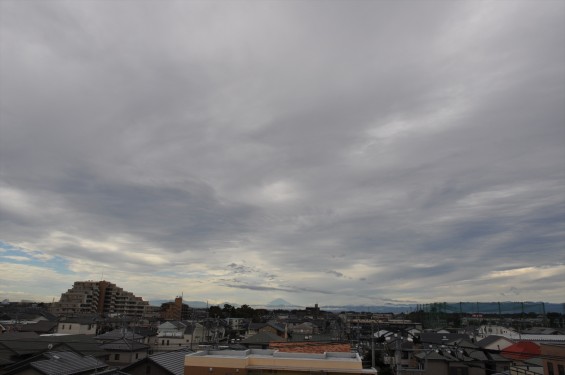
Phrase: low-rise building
x=259 y=361
x=553 y=356
x=77 y=326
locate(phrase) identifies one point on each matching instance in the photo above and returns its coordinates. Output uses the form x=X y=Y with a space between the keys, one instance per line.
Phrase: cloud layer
x=319 y=152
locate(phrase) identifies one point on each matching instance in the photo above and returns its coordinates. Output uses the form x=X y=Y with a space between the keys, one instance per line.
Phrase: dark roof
x=313 y=337
x=118 y=334
x=124 y=344
x=491 y=340
x=25 y=343
x=255 y=326
x=11 y=336
x=82 y=344
x=276 y=326
x=262 y=338
x=145 y=331
x=58 y=363
x=440 y=338
x=83 y=320
x=66 y=363
x=43 y=326
x=172 y=362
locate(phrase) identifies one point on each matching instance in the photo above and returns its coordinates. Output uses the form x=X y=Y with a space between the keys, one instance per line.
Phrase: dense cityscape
x=98 y=327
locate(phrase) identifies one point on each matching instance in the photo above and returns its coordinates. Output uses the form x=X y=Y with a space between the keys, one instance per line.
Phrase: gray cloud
x=401 y=151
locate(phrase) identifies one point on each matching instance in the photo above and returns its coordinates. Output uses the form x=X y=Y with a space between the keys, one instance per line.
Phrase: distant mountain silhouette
x=279 y=302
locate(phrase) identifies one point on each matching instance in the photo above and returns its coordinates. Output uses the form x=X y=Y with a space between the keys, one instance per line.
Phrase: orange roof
x=522 y=350
x=310 y=347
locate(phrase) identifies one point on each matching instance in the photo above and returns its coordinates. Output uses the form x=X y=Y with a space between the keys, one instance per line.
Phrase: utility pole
x=398 y=355
x=372 y=345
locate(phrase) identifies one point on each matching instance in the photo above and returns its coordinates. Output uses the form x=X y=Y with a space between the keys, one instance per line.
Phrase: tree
x=229 y=311
x=245 y=311
x=215 y=311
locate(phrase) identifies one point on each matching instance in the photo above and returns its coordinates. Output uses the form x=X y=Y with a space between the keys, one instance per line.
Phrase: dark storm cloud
x=411 y=146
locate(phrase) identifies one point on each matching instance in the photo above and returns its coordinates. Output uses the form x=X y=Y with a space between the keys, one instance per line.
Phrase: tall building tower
x=99 y=297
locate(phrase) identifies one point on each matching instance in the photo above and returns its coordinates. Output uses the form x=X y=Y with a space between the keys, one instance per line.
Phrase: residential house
x=42 y=327
x=173 y=335
x=261 y=340
x=237 y=324
x=20 y=346
x=164 y=363
x=124 y=351
x=120 y=334
x=525 y=357
x=57 y=363
x=437 y=355
x=495 y=343
x=305 y=328
x=270 y=327
x=78 y=326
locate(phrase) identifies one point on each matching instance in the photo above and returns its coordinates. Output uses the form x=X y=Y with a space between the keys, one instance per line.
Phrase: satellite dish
x=49 y=346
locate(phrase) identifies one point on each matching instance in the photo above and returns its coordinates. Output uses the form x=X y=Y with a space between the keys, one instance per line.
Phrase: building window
x=136 y=355
x=560 y=370
x=62 y=327
x=116 y=357
x=550 y=368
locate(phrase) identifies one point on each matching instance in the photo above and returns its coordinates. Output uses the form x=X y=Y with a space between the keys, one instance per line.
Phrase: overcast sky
x=331 y=152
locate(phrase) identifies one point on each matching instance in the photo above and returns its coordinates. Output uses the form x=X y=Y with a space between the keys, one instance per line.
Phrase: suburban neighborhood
x=98 y=327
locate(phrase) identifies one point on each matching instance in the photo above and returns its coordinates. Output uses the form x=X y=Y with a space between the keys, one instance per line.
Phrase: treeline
x=244 y=311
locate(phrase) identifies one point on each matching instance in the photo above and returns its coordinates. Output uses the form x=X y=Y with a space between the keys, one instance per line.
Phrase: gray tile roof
x=66 y=363
x=30 y=343
x=118 y=334
x=43 y=326
x=124 y=344
x=262 y=338
x=171 y=361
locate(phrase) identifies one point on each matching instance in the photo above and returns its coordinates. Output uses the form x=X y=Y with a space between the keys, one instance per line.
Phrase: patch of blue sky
x=13 y=254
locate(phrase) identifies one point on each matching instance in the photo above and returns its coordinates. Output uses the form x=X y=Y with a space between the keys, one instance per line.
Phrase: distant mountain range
x=465 y=307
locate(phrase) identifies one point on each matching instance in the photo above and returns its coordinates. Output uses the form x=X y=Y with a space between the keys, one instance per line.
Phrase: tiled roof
x=489 y=340
x=310 y=347
x=262 y=338
x=65 y=363
x=118 y=334
x=255 y=326
x=312 y=337
x=24 y=343
x=43 y=326
x=522 y=350
x=440 y=338
x=62 y=363
x=124 y=344
x=171 y=361
x=276 y=326
x=83 y=344
x=81 y=320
